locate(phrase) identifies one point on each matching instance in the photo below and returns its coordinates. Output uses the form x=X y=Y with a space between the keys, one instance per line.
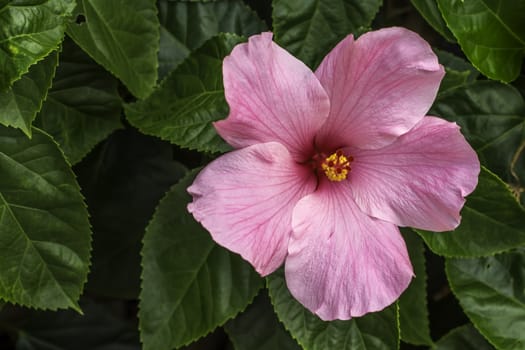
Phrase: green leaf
x=198 y=284
x=123 y=36
x=413 y=311
x=96 y=329
x=83 y=106
x=492 y=222
x=375 y=331
x=44 y=229
x=309 y=29
x=465 y=338
x=20 y=104
x=459 y=73
x=430 y=12
x=185 y=26
x=183 y=108
x=492 y=118
x=490 y=291
x=123 y=181
x=258 y=328
x=491 y=34
x=29 y=31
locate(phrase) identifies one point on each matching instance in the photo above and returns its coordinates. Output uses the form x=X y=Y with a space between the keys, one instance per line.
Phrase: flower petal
x=272 y=96
x=420 y=180
x=245 y=200
x=380 y=86
x=342 y=263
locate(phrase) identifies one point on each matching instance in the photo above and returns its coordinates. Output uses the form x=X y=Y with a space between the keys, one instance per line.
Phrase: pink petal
x=420 y=180
x=380 y=86
x=245 y=200
x=342 y=263
x=272 y=97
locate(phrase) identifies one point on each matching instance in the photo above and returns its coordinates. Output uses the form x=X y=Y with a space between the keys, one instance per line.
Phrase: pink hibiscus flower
x=327 y=164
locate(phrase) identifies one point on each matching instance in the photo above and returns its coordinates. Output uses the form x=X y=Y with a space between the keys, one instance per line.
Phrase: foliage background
x=105 y=118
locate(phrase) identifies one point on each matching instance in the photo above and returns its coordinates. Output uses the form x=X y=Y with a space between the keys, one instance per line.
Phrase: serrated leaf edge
x=189 y=174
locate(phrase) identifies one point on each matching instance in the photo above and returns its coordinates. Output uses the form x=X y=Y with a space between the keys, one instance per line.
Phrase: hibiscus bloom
x=327 y=164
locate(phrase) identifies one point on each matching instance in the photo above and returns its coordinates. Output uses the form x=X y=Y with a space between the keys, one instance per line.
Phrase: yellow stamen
x=337 y=166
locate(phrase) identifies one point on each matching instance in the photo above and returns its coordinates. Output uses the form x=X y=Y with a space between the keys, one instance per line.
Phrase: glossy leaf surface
x=83 y=107
x=309 y=29
x=20 y=104
x=185 y=26
x=123 y=36
x=29 y=31
x=491 y=34
x=183 y=108
x=44 y=230
x=199 y=284
x=490 y=290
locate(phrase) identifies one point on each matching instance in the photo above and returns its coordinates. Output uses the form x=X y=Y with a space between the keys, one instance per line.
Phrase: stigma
x=337 y=166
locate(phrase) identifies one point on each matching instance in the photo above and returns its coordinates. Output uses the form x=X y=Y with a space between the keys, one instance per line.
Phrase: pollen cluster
x=337 y=166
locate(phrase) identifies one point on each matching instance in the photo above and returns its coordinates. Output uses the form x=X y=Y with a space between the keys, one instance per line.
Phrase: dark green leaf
x=492 y=294
x=490 y=32
x=430 y=11
x=123 y=181
x=96 y=329
x=492 y=118
x=309 y=29
x=44 y=229
x=28 y=34
x=375 y=331
x=190 y=285
x=185 y=26
x=413 y=311
x=123 y=36
x=465 y=338
x=183 y=108
x=83 y=106
x=20 y=104
x=492 y=221
x=258 y=328
x=459 y=73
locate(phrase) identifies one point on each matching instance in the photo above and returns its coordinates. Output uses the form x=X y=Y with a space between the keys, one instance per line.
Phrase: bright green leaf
x=123 y=36
x=491 y=34
x=83 y=106
x=44 y=228
x=375 y=331
x=492 y=118
x=490 y=291
x=463 y=338
x=430 y=12
x=309 y=29
x=183 y=108
x=28 y=34
x=258 y=328
x=413 y=311
x=492 y=222
x=20 y=104
x=190 y=285
x=96 y=329
x=123 y=180
x=185 y=26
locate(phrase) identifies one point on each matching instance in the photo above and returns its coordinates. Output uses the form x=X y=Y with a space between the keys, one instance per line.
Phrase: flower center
x=337 y=166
